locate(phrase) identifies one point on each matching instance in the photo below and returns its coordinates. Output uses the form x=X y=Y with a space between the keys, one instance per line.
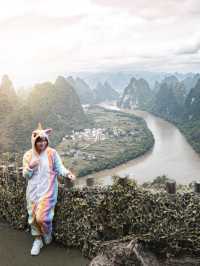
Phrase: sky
x=41 y=39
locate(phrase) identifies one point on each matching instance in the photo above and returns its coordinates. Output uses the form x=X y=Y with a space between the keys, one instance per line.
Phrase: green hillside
x=55 y=105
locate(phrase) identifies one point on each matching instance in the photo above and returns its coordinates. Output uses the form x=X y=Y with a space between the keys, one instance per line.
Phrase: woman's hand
x=71 y=176
x=34 y=164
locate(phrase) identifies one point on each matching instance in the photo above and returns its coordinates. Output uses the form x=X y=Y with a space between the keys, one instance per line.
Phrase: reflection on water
x=171 y=155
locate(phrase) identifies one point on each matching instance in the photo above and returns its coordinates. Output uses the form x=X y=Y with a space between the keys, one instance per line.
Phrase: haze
x=43 y=39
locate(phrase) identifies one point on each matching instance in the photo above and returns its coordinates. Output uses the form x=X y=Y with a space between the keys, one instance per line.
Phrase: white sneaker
x=37 y=245
x=47 y=239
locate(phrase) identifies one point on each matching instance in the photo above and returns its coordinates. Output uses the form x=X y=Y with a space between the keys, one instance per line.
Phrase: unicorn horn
x=39 y=126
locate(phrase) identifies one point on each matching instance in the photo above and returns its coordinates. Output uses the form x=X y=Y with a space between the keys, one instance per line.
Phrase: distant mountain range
x=58 y=105
x=82 y=89
x=102 y=92
x=55 y=105
x=168 y=98
x=171 y=99
x=119 y=79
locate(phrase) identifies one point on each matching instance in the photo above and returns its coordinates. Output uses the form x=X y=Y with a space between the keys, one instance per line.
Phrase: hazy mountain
x=104 y=92
x=190 y=82
x=170 y=98
x=119 y=79
x=156 y=87
x=166 y=104
x=7 y=88
x=174 y=103
x=54 y=105
x=190 y=124
x=177 y=87
x=83 y=90
x=23 y=93
x=192 y=103
x=8 y=98
x=136 y=95
x=171 y=81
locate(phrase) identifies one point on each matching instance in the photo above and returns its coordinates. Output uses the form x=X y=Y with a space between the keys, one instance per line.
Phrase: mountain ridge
x=55 y=105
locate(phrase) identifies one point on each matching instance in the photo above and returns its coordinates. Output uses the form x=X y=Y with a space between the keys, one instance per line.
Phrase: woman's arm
x=27 y=171
x=59 y=167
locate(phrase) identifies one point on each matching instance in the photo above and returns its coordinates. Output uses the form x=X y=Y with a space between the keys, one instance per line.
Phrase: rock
x=118 y=253
x=100 y=260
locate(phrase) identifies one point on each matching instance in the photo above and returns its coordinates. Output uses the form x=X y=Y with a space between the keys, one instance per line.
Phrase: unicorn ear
x=48 y=131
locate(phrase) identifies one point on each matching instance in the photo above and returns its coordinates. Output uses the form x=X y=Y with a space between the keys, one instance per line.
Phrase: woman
x=41 y=166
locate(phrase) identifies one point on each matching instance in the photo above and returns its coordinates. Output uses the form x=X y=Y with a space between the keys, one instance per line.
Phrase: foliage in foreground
x=85 y=217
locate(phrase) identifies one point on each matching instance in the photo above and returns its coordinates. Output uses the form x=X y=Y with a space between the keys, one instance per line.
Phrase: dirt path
x=15 y=251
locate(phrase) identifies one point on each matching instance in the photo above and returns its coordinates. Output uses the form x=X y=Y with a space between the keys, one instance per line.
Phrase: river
x=171 y=155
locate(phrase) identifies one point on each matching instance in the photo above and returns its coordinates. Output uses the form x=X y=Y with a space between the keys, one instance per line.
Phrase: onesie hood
x=40 y=132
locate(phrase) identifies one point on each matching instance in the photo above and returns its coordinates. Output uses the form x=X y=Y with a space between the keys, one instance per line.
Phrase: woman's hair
x=40 y=139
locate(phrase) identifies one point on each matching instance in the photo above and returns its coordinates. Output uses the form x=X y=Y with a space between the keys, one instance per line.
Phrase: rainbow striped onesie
x=42 y=188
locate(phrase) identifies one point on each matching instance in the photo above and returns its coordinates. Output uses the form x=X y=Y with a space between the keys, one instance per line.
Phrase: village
x=113 y=138
x=82 y=139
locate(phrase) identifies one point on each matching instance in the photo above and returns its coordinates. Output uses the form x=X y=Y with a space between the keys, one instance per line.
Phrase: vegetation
x=55 y=105
x=175 y=101
x=133 y=140
x=158 y=183
x=191 y=130
x=186 y=118
x=87 y=217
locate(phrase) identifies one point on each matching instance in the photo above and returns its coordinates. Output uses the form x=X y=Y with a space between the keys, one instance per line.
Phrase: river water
x=171 y=155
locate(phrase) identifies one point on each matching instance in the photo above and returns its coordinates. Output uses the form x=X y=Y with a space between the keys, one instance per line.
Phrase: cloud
x=33 y=22
x=40 y=39
x=154 y=9
x=190 y=48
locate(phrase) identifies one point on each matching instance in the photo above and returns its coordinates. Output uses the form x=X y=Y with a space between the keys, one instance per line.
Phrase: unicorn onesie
x=42 y=188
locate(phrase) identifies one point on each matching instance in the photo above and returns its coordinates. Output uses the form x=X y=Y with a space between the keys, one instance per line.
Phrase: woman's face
x=41 y=144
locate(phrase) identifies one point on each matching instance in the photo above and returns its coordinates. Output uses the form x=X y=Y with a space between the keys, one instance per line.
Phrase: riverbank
x=116 y=138
x=190 y=129
x=15 y=251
